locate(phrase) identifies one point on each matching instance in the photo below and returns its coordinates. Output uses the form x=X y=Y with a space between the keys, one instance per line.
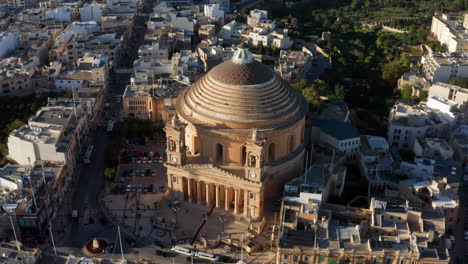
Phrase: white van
x=205 y=255
x=183 y=251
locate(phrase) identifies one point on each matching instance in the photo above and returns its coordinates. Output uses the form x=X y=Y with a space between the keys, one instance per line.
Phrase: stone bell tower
x=254 y=157
x=175 y=136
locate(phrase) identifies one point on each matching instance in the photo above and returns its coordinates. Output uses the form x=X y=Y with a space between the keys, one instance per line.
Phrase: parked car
x=153 y=172
x=183 y=251
x=119 y=179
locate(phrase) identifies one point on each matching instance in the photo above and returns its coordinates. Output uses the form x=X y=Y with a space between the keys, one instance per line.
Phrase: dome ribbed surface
x=233 y=73
x=241 y=95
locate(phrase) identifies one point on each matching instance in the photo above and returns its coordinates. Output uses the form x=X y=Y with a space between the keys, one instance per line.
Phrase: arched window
x=243 y=155
x=172 y=145
x=252 y=161
x=196 y=145
x=291 y=144
x=271 y=152
x=219 y=153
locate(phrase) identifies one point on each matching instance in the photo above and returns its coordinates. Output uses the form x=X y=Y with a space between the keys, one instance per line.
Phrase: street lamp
x=175 y=208
x=222 y=219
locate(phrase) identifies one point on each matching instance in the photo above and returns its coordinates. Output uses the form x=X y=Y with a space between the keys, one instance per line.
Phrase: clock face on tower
x=174 y=159
x=253 y=175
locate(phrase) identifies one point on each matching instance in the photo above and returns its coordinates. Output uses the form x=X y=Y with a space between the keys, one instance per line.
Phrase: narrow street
x=461 y=245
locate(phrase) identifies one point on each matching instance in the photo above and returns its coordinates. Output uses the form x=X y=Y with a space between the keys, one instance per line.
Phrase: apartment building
x=433 y=148
x=453 y=93
x=342 y=138
x=409 y=122
x=214 y=55
x=387 y=232
x=232 y=32
x=155 y=51
x=60 y=14
x=155 y=102
x=69 y=48
x=9 y=41
x=91 y=67
x=91 y=12
x=213 y=11
x=293 y=65
x=56 y=133
x=225 y=4
x=443 y=67
x=22 y=3
x=257 y=16
x=450 y=31
x=375 y=159
x=18 y=77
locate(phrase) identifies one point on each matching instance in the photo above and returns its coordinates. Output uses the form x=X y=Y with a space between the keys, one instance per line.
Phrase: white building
x=340 y=137
x=232 y=31
x=153 y=52
x=91 y=12
x=451 y=32
x=60 y=14
x=433 y=148
x=83 y=28
x=225 y=4
x=410 y=122
x=255 y=16
x=53 y=134
x=454 y=93
x=375 y=159
x=442 y=67
x=9 y=41
x=67 y=84
x=214 y=11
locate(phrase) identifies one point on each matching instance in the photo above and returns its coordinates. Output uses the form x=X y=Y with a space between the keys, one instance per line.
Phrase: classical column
x=199 y=192
x=182 y=188
x=208 y=195
x=227 y=198
x=189 y=190
x=236 y=201
x=218 y=198
x=246 y=204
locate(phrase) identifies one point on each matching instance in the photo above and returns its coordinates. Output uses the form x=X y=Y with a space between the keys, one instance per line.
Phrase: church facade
x=237 y=138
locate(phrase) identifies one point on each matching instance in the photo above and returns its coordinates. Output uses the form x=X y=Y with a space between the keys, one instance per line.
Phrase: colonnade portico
x=224 y=197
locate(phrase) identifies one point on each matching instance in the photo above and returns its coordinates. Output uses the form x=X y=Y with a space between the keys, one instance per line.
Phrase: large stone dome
x=241 y=93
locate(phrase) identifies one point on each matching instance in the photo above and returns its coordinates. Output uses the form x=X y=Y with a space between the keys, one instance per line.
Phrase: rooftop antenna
x=242 y=247
x=14 y=233
x=43 y=173
x=30 y=182
x=74 y=104
x=52 y=237
x=120 y=239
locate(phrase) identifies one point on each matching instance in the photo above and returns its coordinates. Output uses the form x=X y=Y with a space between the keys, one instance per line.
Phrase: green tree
x=392 y=71
x=407 y=92
x=423 y=95
x=14 y=125
x=460 y=81
x=110 y=173
x=301 y=85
